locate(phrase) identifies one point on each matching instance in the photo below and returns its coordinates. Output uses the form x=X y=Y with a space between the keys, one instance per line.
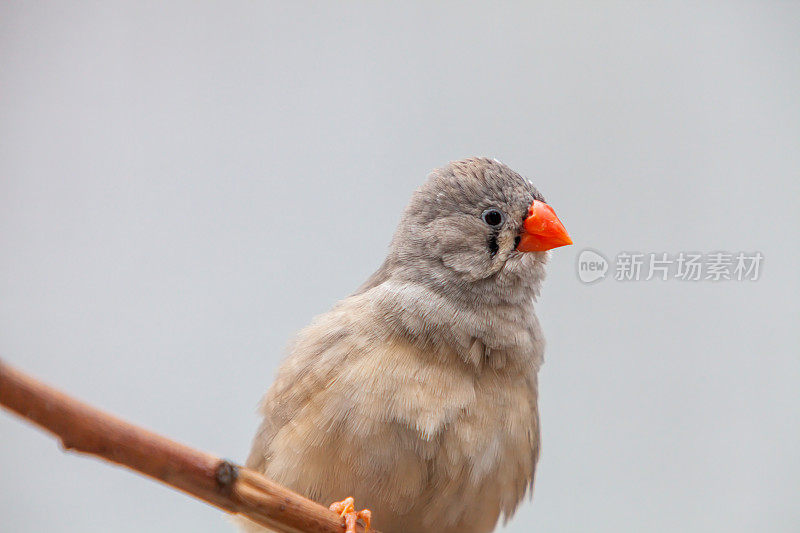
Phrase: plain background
x=183 y=186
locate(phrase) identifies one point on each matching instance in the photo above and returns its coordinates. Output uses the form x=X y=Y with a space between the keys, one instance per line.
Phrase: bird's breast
x=481 y=431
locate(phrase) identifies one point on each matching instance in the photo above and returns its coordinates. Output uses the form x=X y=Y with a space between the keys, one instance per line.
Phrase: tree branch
x=232 y=488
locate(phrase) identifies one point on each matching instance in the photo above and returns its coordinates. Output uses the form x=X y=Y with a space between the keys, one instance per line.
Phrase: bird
x=416 y=396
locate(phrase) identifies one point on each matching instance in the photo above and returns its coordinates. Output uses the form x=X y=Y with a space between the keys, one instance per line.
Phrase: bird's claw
x=347 y=510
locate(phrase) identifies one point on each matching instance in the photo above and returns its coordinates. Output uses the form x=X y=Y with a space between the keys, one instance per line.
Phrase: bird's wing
x=355 y=411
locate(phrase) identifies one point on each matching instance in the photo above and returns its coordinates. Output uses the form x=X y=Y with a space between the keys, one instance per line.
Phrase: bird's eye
x=493 y=217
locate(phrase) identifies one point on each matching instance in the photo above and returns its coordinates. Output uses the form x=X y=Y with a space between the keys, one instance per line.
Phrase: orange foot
x=346 y=509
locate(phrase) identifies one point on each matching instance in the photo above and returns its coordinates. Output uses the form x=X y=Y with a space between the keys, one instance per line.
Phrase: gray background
x=184 y=186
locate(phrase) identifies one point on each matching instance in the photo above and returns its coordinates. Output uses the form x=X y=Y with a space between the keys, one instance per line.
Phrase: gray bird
x=417 y=394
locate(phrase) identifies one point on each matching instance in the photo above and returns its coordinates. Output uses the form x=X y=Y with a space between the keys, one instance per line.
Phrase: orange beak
x=542 y=230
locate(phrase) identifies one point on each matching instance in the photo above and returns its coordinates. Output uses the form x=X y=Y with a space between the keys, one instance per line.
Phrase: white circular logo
x=592 y=266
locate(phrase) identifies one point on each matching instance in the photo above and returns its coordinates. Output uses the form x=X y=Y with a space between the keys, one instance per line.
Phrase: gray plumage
x=417 y=393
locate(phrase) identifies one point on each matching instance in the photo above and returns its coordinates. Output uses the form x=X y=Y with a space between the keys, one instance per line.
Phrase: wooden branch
x=232 y=488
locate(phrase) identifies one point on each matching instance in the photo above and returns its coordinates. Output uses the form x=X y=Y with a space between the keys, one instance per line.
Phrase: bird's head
x=477 y=219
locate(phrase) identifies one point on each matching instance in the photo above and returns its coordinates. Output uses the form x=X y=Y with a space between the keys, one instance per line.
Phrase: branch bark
x=232 y=488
